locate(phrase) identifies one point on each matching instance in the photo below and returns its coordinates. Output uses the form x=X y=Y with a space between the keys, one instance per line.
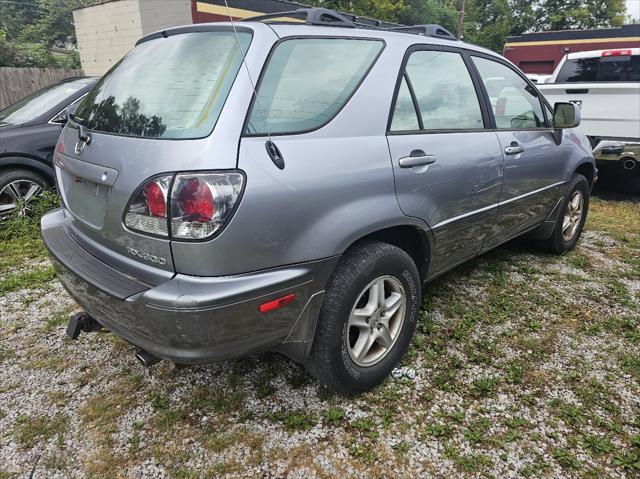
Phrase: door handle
x=514 y=148
x=416 y=158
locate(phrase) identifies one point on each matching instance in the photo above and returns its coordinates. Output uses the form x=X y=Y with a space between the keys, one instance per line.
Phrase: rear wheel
x=571 y=220
x=18 y=189
x=367 y=318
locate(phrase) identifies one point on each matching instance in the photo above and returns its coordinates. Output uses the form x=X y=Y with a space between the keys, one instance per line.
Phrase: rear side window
x=444 y=93
x=604 y=69
x=172 y=87
x=514 y=102
x=307 y=82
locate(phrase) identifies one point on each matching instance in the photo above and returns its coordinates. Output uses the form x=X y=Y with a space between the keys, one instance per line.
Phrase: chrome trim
x=51 y=122
x=496 y=205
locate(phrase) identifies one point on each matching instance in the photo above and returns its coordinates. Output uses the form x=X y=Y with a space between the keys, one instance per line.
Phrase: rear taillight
x=202 y=202
x=198 y=204
x=616 y=53
x=147 y=211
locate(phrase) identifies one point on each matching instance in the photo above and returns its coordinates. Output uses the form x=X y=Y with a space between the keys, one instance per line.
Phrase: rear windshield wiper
x=75 y=119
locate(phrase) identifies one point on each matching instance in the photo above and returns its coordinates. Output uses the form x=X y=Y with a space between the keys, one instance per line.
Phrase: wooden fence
x=16 y=83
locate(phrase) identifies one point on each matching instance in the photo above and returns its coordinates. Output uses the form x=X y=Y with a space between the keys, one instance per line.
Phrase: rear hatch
x=152 y=114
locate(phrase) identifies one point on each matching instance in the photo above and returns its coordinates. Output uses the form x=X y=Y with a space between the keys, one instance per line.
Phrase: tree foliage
x=30 y=28
x=489 y=22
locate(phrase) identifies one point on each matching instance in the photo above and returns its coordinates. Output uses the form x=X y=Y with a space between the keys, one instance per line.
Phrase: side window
x=307 y=81
x=444 y=92
x=515 y=103
x=405 y=117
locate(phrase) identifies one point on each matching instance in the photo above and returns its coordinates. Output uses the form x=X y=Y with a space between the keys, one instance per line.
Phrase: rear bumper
x=190 y=319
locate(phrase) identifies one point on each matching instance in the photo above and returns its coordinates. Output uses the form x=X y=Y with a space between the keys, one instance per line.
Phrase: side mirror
x=565 y=115
x=61 y=118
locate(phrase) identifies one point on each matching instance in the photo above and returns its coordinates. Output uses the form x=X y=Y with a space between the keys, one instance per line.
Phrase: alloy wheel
x=376 y=321
x=573 y=215
x=17 y=196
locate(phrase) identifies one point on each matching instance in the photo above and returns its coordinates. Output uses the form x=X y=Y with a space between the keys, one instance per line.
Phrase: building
x=108 y=29
x=540 y=53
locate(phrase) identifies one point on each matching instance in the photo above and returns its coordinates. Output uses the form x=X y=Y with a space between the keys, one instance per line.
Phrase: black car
x=29 y=131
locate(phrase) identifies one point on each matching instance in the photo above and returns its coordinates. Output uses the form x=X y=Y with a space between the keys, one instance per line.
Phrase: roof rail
x=430 y=30
x=331 y=18
x=310 y=16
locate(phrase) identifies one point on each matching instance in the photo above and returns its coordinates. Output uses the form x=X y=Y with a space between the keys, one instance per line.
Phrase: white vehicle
x=606 y=84
x=538 y=78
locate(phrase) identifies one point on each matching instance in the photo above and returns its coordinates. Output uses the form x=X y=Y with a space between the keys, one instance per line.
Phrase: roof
x=301 y=29
x=632 y=30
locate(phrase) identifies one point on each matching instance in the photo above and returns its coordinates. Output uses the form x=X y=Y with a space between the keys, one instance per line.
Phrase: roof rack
x=430 y=30
x=331 y=18
x=309 y=16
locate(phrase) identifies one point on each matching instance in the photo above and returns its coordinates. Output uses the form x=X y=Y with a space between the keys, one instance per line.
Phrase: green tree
x=577 y=14
x=488 y=23
x=418 y=12
x=54 y=24
x=388 y=10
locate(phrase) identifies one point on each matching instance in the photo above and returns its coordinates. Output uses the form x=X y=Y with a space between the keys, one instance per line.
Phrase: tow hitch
x=82 y=322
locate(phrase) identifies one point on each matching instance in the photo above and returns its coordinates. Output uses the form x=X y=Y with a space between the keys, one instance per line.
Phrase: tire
x=11 y=176
x=332 y=359
x=558 y=242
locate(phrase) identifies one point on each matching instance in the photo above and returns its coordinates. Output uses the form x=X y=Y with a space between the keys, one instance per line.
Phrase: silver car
x=264 y=185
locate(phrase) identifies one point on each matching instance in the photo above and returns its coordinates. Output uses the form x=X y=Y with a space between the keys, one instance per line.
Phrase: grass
x=28 y=280
x=520 y=355
x=31 y=430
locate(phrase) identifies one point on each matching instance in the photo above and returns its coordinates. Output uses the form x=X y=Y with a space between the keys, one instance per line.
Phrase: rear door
x=447 y=166
x=533 y=161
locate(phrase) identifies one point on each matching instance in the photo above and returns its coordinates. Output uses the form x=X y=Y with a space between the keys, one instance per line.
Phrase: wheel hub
x=376 y=320
x=573 y=215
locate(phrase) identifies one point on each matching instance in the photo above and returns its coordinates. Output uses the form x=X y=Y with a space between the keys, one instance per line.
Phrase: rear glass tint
x=604 y=69
x=172 y=87
x=307 y=81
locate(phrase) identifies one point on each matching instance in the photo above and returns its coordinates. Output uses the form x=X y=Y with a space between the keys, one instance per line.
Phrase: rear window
x=604 y=69
x=307 y=82
x=171 y=88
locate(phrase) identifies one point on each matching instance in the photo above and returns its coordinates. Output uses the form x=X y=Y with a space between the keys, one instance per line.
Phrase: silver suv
x=231 y=188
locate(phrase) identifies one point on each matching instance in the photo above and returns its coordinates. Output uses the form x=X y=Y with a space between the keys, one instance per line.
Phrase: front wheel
x=570 y=223
x=367 y=319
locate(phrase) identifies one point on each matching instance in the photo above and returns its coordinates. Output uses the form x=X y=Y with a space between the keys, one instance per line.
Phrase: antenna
x=244 y=62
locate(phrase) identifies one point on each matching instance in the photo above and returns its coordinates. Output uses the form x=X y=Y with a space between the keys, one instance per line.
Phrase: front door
x=447 y=167
x=533 y=161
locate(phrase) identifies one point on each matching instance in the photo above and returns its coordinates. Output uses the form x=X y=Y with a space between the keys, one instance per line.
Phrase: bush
x=19 y=226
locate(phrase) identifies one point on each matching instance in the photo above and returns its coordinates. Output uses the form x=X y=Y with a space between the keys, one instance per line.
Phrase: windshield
x=604 y=69
x=173 y=87
x=40 y=102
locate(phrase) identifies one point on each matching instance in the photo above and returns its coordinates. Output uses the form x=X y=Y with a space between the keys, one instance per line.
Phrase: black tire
x=556 y=243
x=329 y=360
x=16 y=174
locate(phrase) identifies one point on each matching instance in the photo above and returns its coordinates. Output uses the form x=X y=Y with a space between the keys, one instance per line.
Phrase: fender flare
x=38 y=166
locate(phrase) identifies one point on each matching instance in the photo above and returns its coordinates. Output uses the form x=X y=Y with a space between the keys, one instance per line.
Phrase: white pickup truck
x=606 y=84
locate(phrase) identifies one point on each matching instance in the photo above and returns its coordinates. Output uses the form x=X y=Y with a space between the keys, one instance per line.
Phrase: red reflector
x=156 y=201
x=616 y=53
x=277 y=303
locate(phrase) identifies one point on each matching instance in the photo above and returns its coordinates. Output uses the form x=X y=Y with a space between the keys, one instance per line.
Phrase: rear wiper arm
x=75 y=119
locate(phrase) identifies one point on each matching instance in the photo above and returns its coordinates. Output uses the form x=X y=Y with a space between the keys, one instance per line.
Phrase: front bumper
x=190 y=319
x=615 y=150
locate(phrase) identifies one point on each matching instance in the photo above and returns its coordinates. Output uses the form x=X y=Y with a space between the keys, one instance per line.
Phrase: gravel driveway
x=526 y=365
